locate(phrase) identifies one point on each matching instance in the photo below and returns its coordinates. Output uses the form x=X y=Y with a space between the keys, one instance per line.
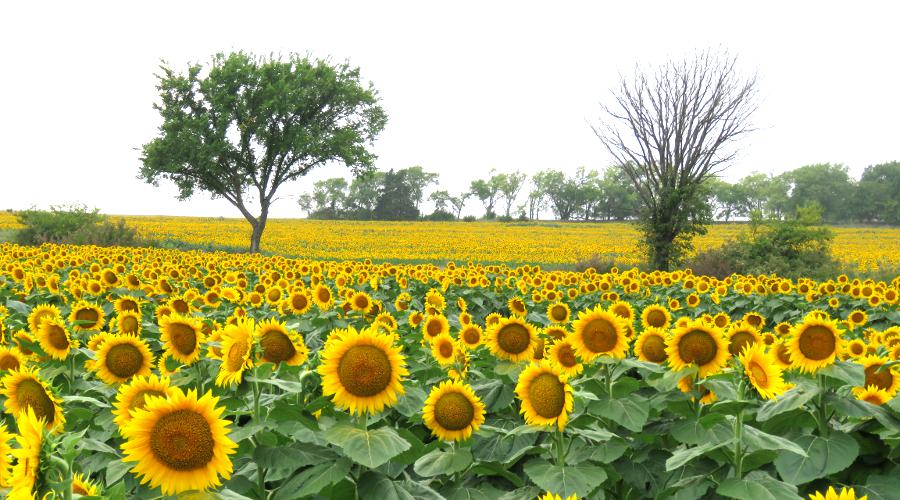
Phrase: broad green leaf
x=116 y=469
x=503 y=447
x=371 y=447
x=439 y=462
x=378 y=486
x=703 y=430
x=684 y=455
x=609 y=451
x=756 y=439
x=880 y=487
x=313 y=480
x=791 y=400
x=630 y=412
x=757 y=485
x=292 y=457
x=286 y=385
x=846 y=372
x=824 y=456
x=565 y=480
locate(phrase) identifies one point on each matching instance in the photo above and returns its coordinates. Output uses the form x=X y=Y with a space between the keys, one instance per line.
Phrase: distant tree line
x=589 y=195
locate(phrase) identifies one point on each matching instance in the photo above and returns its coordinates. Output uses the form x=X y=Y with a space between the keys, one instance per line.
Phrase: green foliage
x=396 y=198
x=74 y=224
x=243 y=126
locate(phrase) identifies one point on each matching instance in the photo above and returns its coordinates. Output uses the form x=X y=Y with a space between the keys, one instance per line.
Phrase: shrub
x=440 y=215
x=73 y=224
x=469 y=218
x=505 y=218
x=600 y=263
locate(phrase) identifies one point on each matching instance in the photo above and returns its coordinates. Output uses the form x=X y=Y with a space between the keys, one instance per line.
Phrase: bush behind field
x=76 y=225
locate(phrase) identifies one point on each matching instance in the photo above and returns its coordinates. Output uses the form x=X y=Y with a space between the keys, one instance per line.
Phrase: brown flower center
x=600 y=335
x=277 y=347
x=565 y=356
x=453 y=411
x=654 y=348
x=364 y=370
x=881 y=379
x=547 y=395
x=124 y=360
x=56 y=335
x=697 y=346
x=237 y=355
x=513 y=338
x=184 y=338
x=817 y=342
x=31 y=393
x=656 y=318
x=740 y=340
x=182 y=440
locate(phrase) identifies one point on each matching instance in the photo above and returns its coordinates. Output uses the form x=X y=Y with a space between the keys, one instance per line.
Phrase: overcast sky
x=467 y=87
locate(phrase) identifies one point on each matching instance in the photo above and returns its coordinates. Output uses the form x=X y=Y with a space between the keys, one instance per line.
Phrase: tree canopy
x=244 y=125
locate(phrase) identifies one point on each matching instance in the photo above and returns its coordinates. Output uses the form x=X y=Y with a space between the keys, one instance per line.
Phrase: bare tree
x=670 y=130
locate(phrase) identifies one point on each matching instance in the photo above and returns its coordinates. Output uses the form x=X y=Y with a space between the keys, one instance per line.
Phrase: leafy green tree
x=510 y=185
x=561 y=193
x=329 y=197
x=363 y=195
x=396 y=198
x=418 y=180
x=828 y=185
x=619 y=200
x=243 y=126
x=878 y=194
x=459 y=202
x=670 y=130
x=487 y=191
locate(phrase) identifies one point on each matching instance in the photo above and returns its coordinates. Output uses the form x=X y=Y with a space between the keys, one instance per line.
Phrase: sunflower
x=754 y=319
x=128 y=323
x=872 y=394
x=24 y=388
x=121 y=357
x=698 y=344
x=858 y=317
x=86 y=316
x=11 y=358
x=443 y=348
x=655 y=316
x=780 y=354
x=555 y=332
x=492 y=319
x=5 y=451
x=471 y=336
x=84 y=487
x=133 y=396
x=762 y=371
x=387 y=320
x=298 y=302
x=562 y=354
x=845 y=494
x=722 y=320
x=551 y=496
x=815 y=343
x=453 y=411
x=879 y=377
x=27 y=455
x=651 y=345
x=435 y=299
x=179 y=443
x=513 y=339
x=182 y=336
x=623 y=310
x=55 y=339
x=361 y=301
x=362 y=370
x=558 y=312
x=402 y=302
x=277 y=344
x=237 y=345
x=598 y=332
x=434 y=326
x=741 y=335
x=127 y=303
x=323 y=297
x=40 y=313
x=517 y=306
x=546 y=396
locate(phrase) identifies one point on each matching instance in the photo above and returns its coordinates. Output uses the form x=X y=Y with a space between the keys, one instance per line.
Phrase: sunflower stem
x=739 y=435
x=256 y=392
x=560 y=453
x=72 y=372
x=821 y=418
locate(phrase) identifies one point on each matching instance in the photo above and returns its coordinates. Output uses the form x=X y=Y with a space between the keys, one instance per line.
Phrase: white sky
x=467 y=87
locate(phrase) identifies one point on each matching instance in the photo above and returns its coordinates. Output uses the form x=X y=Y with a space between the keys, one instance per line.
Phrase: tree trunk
x=258 y=229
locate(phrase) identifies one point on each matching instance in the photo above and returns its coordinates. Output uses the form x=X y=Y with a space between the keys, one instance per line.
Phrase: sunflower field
x=146 y=373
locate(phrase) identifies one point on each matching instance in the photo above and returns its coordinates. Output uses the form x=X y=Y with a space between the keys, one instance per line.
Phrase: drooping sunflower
x=655 y=316
x=545 y=394
x=872 y=394
x=443 y=349
x=623 y=310
x=512 y=339
x=5 y=451
x=599 y=332
x=651 y=345
x=40 y=313
x=562 y=354
x=133 y=396
x=83 y=486
x=323 y=297
x=277 y=344
x=363 y=370
x=517 y=306
x=814 y=344
x=121 y=357
x=86 y=316
x=27 y=455
x=762 y=371
x=435 y=299
x=558 y=312
x=55 y=339
x=237 y=346
x=128 y=323
x=435 y=325
x=741 y=335
x=879 y=377
x=182 y=336
x=179 y=443
x=127 y=303
x=11 y=358
x=699 y=344
x=453 y=411
x=24 y=388
x=471 y=336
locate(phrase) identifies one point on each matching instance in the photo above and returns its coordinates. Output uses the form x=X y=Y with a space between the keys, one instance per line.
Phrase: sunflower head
x=277 y=344
x=740 y=335
x=40 y=313
x=599 y=332
x=452 y=411
x=815 y=343
x=86 y=316
x=128 y=323
x=179 y=443
x=545 y=394
x=237 y=346
x=121 y=357
x=562 y=355
x=558 y=312
x=700 y=344
x=435 y=325
x=762 y=371
x=443 y=348
x=11 y=358
x=651 y=345
x=872 y=394
x=55 y=339
x=471 y=336
x=24 y=389
x=512 y=339
x=362 y=370
x=655 y=316
x=133 y=396
x=182 y=336
x=879 y=376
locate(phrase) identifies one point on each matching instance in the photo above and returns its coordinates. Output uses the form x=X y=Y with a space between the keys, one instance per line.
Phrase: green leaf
x=115 y=470
x=94 y=445
x=578 y=480
x=791 y=400
x=684 y=455
x=440 y=462
x=503 y=447
x=703 y=430
x=756 y=439
x=291 y=457
x=879 y=487
x=376 y=485
x=411 y=403
x=85 y=399
x=372 y=447
x=313 y=480
x=610 y=451
x=846 y=372
x=286 y=385
x=757 y=485
x=824 y=456
x=630 y=412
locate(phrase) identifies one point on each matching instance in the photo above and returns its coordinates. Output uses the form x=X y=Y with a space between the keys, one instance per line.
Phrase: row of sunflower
x=130 y=373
